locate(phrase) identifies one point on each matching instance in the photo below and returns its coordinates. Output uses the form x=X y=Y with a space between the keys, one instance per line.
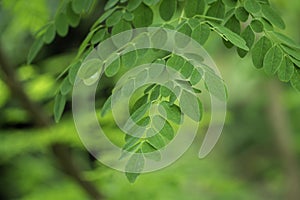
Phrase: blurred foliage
x=245 y=164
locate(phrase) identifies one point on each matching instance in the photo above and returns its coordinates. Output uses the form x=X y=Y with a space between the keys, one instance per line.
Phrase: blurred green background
x=257 y=156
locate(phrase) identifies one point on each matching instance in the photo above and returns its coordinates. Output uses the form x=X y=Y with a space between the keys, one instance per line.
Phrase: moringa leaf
x=252 y=6
x=189 y=105
x=249 y=37
x=286 y=70
x=59 y=106
x=134 y=166
x=193 y=8
x=167 y=9
x=216 y=9
x=257 y=26
x=272 y=60
x=61 y=24
x=34 y=49
x=259 y=51
x=241 y=14
x=110 y=4
x=201 y=33
x=271 y=15
x=143 y=16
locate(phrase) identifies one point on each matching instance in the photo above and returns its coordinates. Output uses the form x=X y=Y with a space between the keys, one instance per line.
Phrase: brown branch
x=40 y=119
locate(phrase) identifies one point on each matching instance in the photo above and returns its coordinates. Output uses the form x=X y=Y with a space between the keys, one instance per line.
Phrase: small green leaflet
x=113 y=68
x=241 y=14
x=110 y=4
x=34 y=49
x=59 y=105
x=257 y=26
x=167 y=9
x=80 y=6
x=286 y=40
x=173 y=112
x=252 y=6
x=272 y=60
x=61 y=24
x=215 y=85
x=196 y=76
x=201 y=33
x=114 y=18
x=156 y=141
x=182 y=40
x=150 y=152
x=295 y=53
x=272 y=16
x=129 y=59
x=231 y=36
x=98 y=36
x=66 y=86
x=103 y=17
x=230 y=3
x=190 y=105
x=216 y=9
x=106 y=107
x=134 y=166
x=133 y=4
x=249 y=37
x=193 y=8
x=49 y=34
x=73 y=18
x=126 y=36
x=286 y=70
x=73 y=71
x=143 y=16
x=259 y=51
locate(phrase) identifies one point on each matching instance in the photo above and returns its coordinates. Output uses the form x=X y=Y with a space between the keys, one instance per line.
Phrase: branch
x=40 y=119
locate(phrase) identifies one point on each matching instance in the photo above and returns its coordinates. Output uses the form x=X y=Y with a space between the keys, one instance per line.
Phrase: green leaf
x=113 y=68
x=126 y=36
x=231 y=36
x=73 y=18
x=143 y=16
x=73 y=71
x=252 y=6
x=134 y=166
x=286 y=70
x=59 y=106
x=234 y=25
x=150 y=2
x=215 y=85
x=173 y=112
x=193 y=8
x=201 y=33
x=80 y=6
x=272 y=60
x=128 y=16
x=295 y=81
x=49 y=34
x=249 y=37
x=98 y=36
x=110 y=4
x=176 y=62
x=150 y=152
x=216 y=9
x=61 y=24
x=129 y=59
x=106 y=107
x=167 y=131
x=140 y=102
x=34 y=49
x=187 y=70
x=155 y=93
x=272 y=16
x=196 y=76
x=65 y=87
x=230 y=3
x=182 y=40
x=133 y=4
x=257 y=26
x=90 y=68
x=286 y=40
x=167 y=9
x=241 y=14
x=296 y=62
x=295 y=53
x=156 y=141
x=189 y=105
x=259 y=51
x=159 y=38
x=164 y=91
x=140 y=112
x=114 y=18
